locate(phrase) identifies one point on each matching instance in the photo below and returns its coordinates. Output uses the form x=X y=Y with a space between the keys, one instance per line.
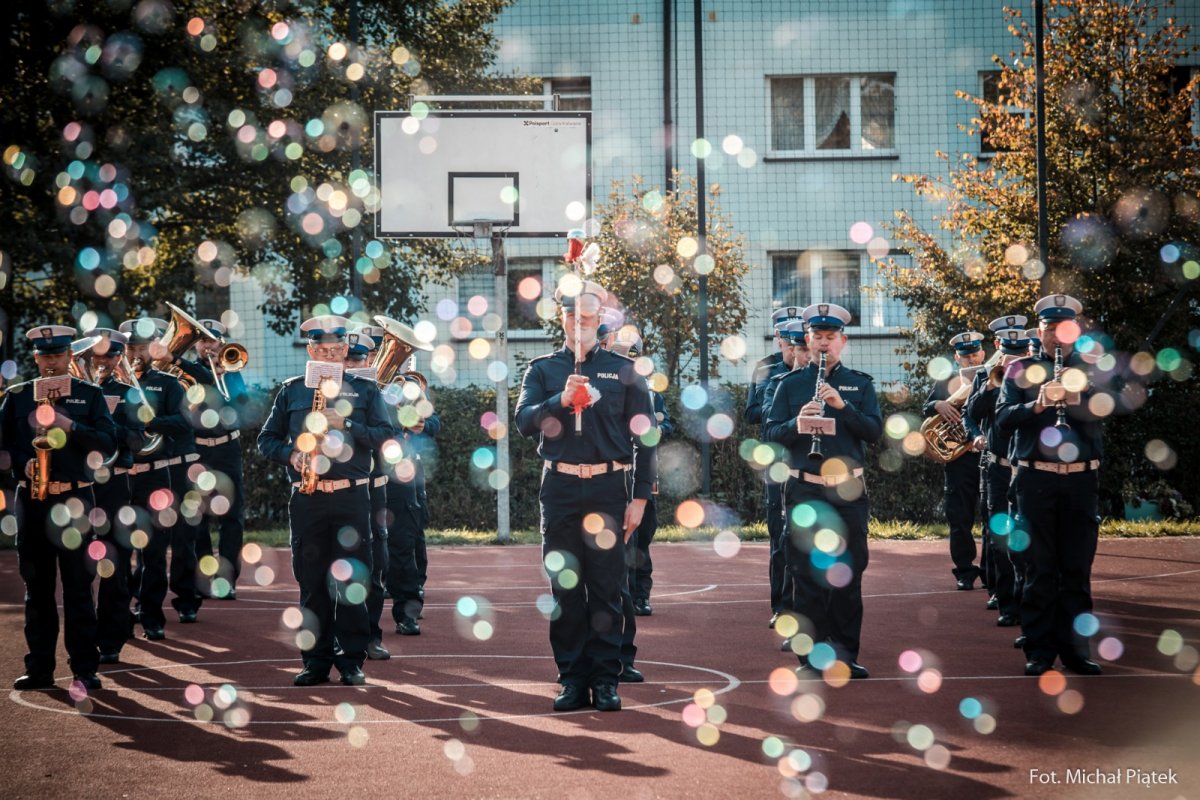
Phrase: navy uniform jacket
x=167 y=398
x=769 y=387
x=606 y=435
x=417 y=447
x=1014 y=414
x=981 y=411
x=665 y=426
x=130 y=428
x=92 y=431
x=369 y=427
x=858 y=424
x=764 y=369
x=229 y=412
x=941 y=391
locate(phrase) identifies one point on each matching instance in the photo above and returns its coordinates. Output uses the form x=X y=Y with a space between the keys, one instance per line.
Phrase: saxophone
x=308 y=469
x=39 y=483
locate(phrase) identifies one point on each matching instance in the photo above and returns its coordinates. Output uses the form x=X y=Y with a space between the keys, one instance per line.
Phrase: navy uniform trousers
x=42 y=556
x=180 y=537
x=834 y=612
x=327 y=527
x=641 y=566
x=782 y=586
x=587 y=624
x=407 y=516
x=961 y=494
x=379 y=555
x=114 y=620
x=1061 y=514
x=1007 y=574
x=231 y=526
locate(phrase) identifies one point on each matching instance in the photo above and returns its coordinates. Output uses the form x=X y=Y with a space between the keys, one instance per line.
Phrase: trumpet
x=231 y=358
x=815 y=456
x=39 y=482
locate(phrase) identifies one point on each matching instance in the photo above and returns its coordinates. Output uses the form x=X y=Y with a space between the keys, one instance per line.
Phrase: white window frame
x=810 y=151
x=871 y=304
x=549 y=86
x=984 y=74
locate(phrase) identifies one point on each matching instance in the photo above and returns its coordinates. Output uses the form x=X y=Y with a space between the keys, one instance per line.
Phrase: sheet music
x=317 y=372
x=52 y=388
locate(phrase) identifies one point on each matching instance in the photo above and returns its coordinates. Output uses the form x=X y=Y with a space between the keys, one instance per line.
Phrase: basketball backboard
x=528 y=172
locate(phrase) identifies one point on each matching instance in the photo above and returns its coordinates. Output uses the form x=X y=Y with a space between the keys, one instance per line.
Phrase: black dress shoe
x=806 y=671
x=187 y=616
x=631 y=674
x=377 y=652
x=109 y=658
x=88 y=681
x=786 y=645
x=154 y=634
x=1081 y=666
x=232 y=595
x=310 y=677
x=1019 y=642
x=407 y=626
x=965 y=584
x=1008 y=620
x=353 y=676
x=30 y=682
x=642 y=608
x=605 y=697
x=572 y=696
x=773 y=620
x=993 y=603
x=858 y=671
x=1037 y=666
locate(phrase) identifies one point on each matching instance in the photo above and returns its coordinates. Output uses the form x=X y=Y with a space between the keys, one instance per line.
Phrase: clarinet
x=1060 y=406
x=815 y=456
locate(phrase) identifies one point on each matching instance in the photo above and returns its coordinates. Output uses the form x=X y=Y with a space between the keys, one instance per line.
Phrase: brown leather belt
x=218 y=440
x=1062 y=469
x=329 y=487
x=827 y=480
x=586 y=471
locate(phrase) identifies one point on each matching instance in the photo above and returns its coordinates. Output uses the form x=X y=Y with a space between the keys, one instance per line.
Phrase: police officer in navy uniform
x=961 y=485
x=796 y=357
x=158 y=476
x=826 y=490
x=1004 y=578
x=331 y=527
x=360 y=345
x=113 y=494
x=220 y=449
x=773 y=365
x=1057 y=448
x=589 y=511
x=74 y=428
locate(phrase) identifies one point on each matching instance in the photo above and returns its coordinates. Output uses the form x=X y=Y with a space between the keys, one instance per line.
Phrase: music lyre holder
x=821 y=426
x=54 y=387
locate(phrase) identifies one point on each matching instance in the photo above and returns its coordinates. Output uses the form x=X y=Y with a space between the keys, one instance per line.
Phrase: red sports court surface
x=464 y=709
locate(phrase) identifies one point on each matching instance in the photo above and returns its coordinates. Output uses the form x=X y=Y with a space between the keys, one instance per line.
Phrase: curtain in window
x=787 y=114
x=841 y=283
x=878 y=99
x=792 y=280
x=833 y=112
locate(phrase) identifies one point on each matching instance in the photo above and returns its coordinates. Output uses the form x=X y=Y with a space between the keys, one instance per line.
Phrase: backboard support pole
x=485 y=230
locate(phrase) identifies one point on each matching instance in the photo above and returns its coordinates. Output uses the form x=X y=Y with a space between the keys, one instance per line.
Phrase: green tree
x=152 y=150
x=649 y=261
x=1123 y=201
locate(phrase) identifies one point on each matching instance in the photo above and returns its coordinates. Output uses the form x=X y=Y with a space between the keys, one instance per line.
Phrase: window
x=1181 y=75
x=990 y=92
x=574 y=94
x=846 y=277
x=526 y=286
x=827 y=114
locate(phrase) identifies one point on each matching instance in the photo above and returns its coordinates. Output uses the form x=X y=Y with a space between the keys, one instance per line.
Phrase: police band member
x=360 y=346
x=588 y=509
x=826 y=478
x=796 y=357
x=408 y=515
x=1057 y=449
x=1003 y=576
x=220 y=449
x=777 y=363
x=114 y=494
x=961 y=484
x=159 y=483
x=326 y=441
x=49 y=437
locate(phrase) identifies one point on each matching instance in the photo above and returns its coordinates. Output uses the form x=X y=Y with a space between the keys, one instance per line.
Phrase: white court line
x=731 y=683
